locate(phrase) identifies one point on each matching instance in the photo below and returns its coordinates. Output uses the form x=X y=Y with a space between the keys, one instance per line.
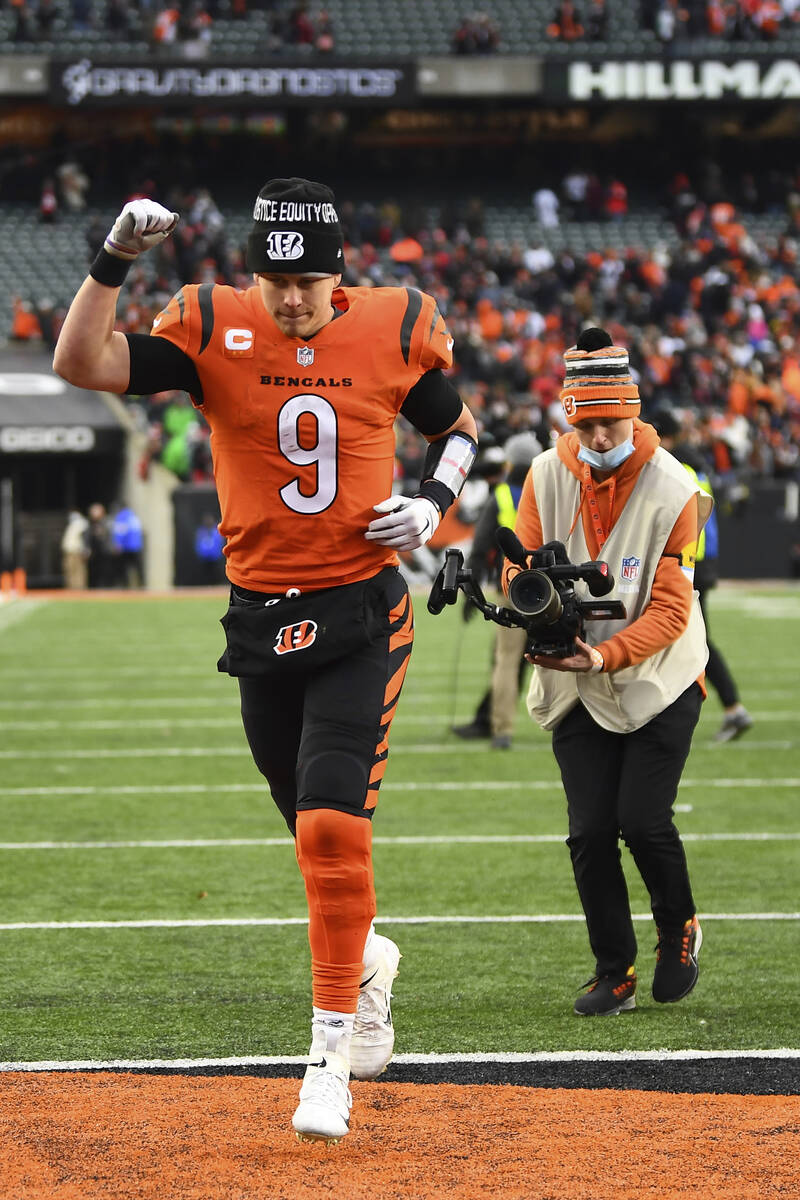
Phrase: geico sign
x=708 y=80
x=55 y=438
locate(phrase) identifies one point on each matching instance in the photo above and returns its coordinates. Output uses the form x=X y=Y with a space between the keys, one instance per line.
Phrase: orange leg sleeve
x=334 y=852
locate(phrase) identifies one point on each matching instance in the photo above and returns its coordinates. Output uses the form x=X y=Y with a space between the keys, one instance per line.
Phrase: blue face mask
x=608 y=460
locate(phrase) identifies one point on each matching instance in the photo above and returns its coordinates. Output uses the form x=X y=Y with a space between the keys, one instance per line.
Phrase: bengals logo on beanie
x=295 y=230
x=598 y=382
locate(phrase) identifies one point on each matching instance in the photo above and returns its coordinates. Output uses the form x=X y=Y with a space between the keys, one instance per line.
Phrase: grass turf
x=115 y=727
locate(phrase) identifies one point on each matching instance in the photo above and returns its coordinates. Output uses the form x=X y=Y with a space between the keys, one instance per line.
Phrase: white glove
x=140 y=225
x=407 y=525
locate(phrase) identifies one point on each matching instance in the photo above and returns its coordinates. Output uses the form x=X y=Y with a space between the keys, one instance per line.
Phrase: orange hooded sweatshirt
x=667 y=614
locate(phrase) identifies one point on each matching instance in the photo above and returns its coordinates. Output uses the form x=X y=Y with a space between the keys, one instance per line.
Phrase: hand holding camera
x=544 y=599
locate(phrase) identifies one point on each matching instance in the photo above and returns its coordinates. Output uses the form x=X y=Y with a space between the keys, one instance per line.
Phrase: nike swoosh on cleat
x=322 y=1063
x=366 y=982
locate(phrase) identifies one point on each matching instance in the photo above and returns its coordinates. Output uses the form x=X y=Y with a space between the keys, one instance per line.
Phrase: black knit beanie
x=296 y=230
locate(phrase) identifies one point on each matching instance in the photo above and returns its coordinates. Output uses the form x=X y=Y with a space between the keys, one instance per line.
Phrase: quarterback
x=301 y=381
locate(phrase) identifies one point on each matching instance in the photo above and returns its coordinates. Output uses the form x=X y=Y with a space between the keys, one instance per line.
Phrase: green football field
x=150 y=903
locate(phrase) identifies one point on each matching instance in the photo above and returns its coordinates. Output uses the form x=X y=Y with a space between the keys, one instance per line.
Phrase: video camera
x=543 y=594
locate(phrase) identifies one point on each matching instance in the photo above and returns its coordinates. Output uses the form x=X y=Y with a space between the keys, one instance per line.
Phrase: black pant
x=625 y=784
x=319 y=737
x=717 y=672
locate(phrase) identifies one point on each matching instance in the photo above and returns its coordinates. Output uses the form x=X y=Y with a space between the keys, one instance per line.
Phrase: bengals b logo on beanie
x=598 y=384
x=296 y=230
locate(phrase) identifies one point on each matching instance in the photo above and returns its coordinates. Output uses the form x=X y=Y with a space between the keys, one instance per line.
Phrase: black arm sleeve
x=158 y=365
x=433 y=404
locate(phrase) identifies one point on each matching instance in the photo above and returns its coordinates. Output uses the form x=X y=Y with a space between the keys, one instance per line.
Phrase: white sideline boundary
x=241 y=751
x=297 y=1060
x=441 y=785
x=446 y=919
x=476 y=839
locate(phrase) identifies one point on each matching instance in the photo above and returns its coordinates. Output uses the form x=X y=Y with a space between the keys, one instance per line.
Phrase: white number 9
x=323 y=454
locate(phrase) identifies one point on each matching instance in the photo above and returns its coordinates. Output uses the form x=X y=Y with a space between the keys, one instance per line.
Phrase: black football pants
x=319 y=737
x=625 y=785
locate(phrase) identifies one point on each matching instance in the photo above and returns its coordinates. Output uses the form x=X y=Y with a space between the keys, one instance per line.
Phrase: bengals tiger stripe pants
x=320 y=738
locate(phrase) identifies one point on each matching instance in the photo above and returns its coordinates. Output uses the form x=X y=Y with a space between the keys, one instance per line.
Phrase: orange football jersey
x=302 y=432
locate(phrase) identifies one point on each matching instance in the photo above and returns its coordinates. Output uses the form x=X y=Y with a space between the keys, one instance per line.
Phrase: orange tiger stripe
x=401 y=640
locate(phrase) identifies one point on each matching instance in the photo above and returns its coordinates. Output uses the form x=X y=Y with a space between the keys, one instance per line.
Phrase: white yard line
x=297 y=1060
x=446 y=919
x=14 y=611
x=469 y=785
x=94 y=752
x=477 y=839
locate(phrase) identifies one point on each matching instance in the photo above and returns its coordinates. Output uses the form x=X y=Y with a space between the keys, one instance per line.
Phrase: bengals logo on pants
x=299 y=636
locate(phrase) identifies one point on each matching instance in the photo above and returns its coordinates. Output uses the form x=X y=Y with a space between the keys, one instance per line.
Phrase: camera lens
x=533 y=594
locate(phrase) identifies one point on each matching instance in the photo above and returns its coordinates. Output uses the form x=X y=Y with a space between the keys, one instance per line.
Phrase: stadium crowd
x=713 y=322
x=191 y=28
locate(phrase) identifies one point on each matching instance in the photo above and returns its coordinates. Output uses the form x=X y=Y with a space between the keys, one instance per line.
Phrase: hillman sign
x=704 y=80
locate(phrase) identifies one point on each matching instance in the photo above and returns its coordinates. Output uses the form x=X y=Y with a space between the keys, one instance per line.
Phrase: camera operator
x=496 y=713
x=623 y=708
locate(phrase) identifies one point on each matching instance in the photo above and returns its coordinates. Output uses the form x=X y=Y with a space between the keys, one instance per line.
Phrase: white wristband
x=598 y=662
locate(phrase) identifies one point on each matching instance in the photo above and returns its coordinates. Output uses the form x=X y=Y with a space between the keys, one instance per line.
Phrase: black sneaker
x=475 y=729
x=608 y=995
x=676 y=962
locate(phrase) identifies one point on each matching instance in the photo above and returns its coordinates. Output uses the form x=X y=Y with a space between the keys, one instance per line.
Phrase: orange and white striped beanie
x=598 y=384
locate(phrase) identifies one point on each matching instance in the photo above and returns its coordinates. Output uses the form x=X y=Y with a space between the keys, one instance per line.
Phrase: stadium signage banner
x=91 y=83
x=707 y=79
x=53 y=439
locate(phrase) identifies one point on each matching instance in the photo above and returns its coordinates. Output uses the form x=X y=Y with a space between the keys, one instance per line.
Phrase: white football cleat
x=372 y=1042
x=323 y=1114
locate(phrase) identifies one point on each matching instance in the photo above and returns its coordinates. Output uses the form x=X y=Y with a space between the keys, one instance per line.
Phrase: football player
x=301 y=381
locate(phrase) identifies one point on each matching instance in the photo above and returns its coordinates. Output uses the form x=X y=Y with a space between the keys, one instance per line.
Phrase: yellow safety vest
x=506 y=511
x=704 y=486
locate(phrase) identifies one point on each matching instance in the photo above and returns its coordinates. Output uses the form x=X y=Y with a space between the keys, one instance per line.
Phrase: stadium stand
x=373 y=29
x=709 y=311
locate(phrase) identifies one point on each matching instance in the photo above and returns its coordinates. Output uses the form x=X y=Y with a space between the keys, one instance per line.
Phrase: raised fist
x=141 y=225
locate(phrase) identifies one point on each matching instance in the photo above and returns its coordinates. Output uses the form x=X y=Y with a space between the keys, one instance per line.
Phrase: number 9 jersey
x=302 y=431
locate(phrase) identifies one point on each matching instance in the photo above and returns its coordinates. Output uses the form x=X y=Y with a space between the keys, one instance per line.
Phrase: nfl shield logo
x=630 y=567
x=305 y=356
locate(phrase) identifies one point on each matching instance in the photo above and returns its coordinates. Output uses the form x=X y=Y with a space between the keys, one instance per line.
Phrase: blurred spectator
x=24 y=28
x=48 y=203
x=573 y=188
x=208 y=548
x=178 y=420
x=195 y=30
x=597 y=21
x=46 y=14
x=476 y=34
x=545 y=204
x=75 y=551
x=671 y=20
x=127 y=542
x=566 y=24
x=25 y=325
x=616 y=200
x=101 y=556
x=72 y=184
x=164 y=30
x=324 y=39
x=300 y=27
